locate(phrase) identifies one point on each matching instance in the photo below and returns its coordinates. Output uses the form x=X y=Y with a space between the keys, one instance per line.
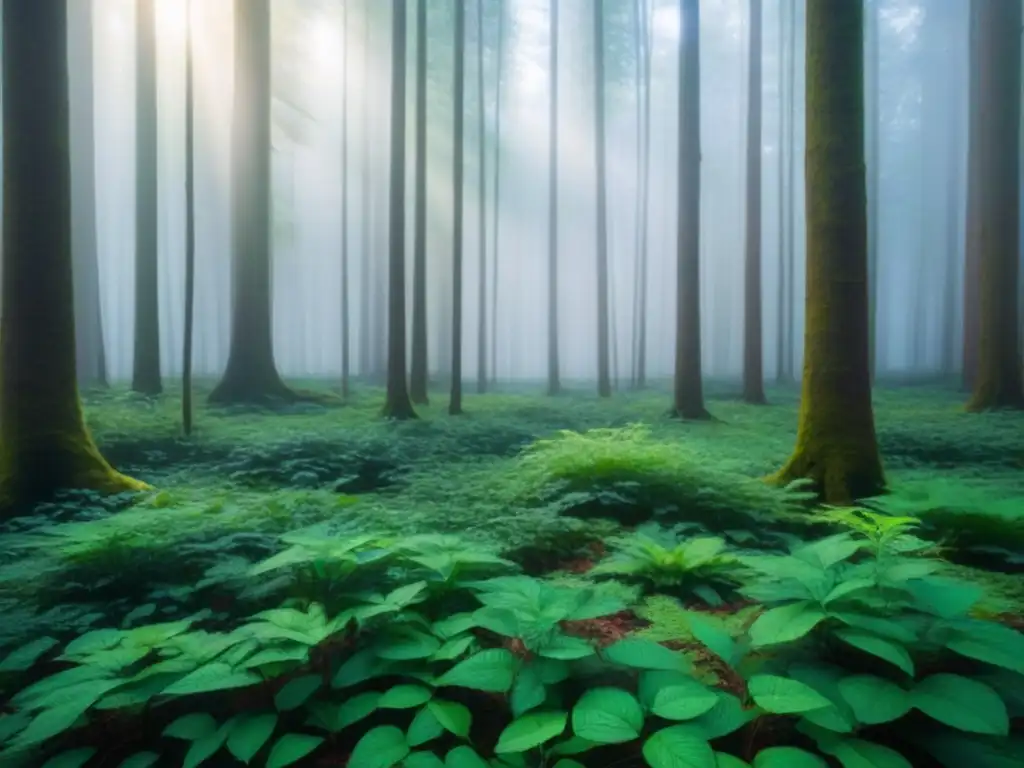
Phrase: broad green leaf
x=607 y=716
x=292 y=747
x=140 y=760
x=191 y=727
x=424 y=727
x=675 y=696
x=727 y=716
x=460 y=757
x=784 y=696
x=531 y=730
x=422 y=760
x=491 y=670
x=679 y=746
x=248 y=735
x=874 y=700
x=857 y=753
x=574 y=745
x=298 y=654
x=876 y=625
x=712 y=634
x=785 y=623
x=828 y=551
x=645 y=654
x=294 y=693
x=454 y=648
x=823 y=678
x=723 y=760
x=333 y=717
x=454 y=717
x=204 y=748
x=404 y=697
x=408 y=645
x=406 y=595
x=848 y=587
x=358 y=668
x=90 y=642
x=567 y=763
x=991 y=643
x=961 y=703
x=878 y=646
x=382 y=747
x=528 y=691
x=215 y=676
x=947 y=598
x=73 y=758
x=24 y=657
x=12 y=724
x=53 y=721
x=451 y=627
x=787 y=757
x=567 y=648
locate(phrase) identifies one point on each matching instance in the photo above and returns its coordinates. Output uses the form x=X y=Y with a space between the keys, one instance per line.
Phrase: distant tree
x=458 y=169
x=997 y=383
x=643 y=88
x=481 y=341
x=397 y=404
x=44 y=443
x=366 y=207
x=604 y=382
x=554 y=383
x=975 y=203
x=146 y=364
x=251 y=374
x=495 y=239
x=753 y=365
x=836 y=447
x=874 y=135
x=346 y=313
x=787 y=183
x=190 y=228
x=418 y=373
x=688 y=388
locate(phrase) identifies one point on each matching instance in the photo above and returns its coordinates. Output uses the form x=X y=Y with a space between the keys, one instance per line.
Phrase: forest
x=512 y=384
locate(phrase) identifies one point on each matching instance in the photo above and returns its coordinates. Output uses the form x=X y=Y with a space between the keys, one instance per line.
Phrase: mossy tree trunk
x=604 y=380
x=836 y=446
x=688 y=389
x=146 y=362
x=397 y=404
x=251 y=375
x=458 y=175
x=418 y=368
x=554 y=363
x=998 y=380
x=44 y=443
x=753 y=350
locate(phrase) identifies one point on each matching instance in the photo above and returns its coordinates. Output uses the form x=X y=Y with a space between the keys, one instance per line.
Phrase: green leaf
x=460 y=757
x=783 y=695
x=723 y=760
x=381 y=747
x=204 y=748
x=292 y=747
x=530 y=730
x=645 y=654
x=333 y=717
x=454 y=648
x=406 y=595
x=404 y=697
x=528 y=691
x=874 y=700
x=991 y=643
x=679 y=746
x=785 y=623
x=878 y=646
x=491 y=670
x=24 y=657
x=857 y=753
x=215 y=676
x=408 y=645
x=961 y=703
x=140 y=760
x=838 y=716
x=422 y=760
x=567 y=648
x=607 y=716
x=787 y=757
x=424 y=727
x=713 y=635
x=567 y=763
x=946 y=598
x=452 y=626
x=191 y=727
x=294 y=693
x=727 y=716
x=357 y=668
x=51 y=722
x=675 y=696
x=73 y=758
x=248 y=735
x=456 y=718
x=90 y=642
x=574 y=745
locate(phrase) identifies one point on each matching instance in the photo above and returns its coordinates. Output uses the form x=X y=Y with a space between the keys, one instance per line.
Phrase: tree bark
x=604 y=382
x=975 y=204
x=481 y=341
x=346 y=313
x=397 y=404
x=998 y=380
x=458 y=172
x=836 y=447
x=874 y=171
x=753 y=365
x=496 y=242
x=146 y=363
x=554 y=374
x=688 y=388
x=44 y=443
x=251 y=375
x=418 y=373
x=190 y=228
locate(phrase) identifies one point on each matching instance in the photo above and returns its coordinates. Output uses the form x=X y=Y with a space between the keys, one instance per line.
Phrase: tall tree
x=496 y=241
x=190 y=228
x=458 y=172
x=146 y=364
x=753 y=366
x=997 y=382
x=44 y=443
x=397 y=404
x=644 y=45
x=90 y=349
x=688 y=388
x=836 y=448
x=481 y=340
x=250 y=374
x=346 y=316
x=418 y=372
x=366 y=208
x=874 y=133
x=554 y=383
x=975 y=203
x=604 y=382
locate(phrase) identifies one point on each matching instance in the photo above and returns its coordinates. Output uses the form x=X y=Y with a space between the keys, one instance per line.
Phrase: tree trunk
x=190 y=229
x=497 y=189
x=44 y=443
x=783 y=298
x=146 y=364
x=418 y=373
x=836 y=448
x=481 y=342
x=604 y=383
x=346 y=314
x=645 y=197
x=998 y=380
x=397 y=404
x=251 y=375
x=554 y=375
x=874 y=131
x=455 y=401
x=791 y=213
x=975 y=204
x=366 y=208
x=89 y=346
x=753 y=365
x=688 y=389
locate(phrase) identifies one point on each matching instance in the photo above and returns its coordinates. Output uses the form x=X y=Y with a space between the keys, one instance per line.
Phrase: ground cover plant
x=545 y=583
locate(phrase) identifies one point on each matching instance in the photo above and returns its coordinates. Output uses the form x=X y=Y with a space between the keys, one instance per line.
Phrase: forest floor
x=550 y=484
